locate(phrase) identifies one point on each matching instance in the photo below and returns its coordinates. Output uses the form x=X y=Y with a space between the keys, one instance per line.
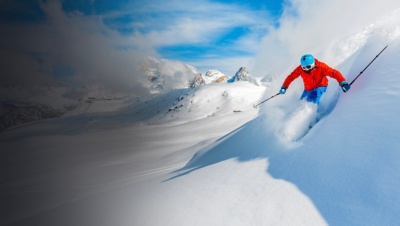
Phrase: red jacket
x=316 y=77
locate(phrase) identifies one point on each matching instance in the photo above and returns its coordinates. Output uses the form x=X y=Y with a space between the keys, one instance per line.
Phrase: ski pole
x=368 y=65
x=255 y=105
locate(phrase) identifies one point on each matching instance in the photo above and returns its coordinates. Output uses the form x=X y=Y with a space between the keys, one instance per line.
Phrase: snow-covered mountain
x=17 y=113
x=164 y=75
x=243 y=75
x=55 y=100
x=211 y=76
x=51 y=94
x=20 y=105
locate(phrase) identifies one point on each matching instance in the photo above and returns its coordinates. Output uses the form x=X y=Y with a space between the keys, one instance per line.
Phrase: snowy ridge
x=186 y=105
x=211 y=100
x=164 y=77
x=243 y=75
x=17 y=113
x=55 y=95
x=21 y=105
x=211 y=76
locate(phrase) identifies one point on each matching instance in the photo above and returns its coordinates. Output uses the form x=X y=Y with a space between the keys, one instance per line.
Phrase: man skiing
x=313 y=73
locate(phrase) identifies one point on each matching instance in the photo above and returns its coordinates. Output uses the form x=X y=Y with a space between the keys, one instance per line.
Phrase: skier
x=313 y=73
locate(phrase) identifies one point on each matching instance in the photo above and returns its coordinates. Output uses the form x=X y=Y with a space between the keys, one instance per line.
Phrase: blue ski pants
x=313 y=95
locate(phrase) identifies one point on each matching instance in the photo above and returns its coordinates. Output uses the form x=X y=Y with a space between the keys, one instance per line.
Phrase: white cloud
x=96 y=53
x=190 y=22
x=204 y=23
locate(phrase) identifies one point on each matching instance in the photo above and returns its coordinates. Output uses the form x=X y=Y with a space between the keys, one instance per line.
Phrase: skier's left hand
x=345 y=86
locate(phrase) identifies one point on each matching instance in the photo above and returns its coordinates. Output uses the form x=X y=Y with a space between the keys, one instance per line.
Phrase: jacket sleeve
x=292 y=76
x=333 y=73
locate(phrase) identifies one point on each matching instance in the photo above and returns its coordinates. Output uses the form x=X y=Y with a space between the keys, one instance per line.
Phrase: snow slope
x=147 y=165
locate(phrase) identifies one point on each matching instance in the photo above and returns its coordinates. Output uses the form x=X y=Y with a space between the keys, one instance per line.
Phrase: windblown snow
x=205 y=156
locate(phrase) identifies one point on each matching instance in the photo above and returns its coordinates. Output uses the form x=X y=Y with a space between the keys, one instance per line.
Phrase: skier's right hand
x=282 y=90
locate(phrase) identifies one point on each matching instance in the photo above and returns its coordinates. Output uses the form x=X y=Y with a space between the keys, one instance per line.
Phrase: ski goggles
x=308 y=67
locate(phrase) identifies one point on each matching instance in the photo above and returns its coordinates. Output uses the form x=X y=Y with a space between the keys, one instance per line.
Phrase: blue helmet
x=307 y=62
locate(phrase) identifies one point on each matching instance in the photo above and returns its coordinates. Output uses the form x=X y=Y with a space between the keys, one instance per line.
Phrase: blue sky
x=194 y=31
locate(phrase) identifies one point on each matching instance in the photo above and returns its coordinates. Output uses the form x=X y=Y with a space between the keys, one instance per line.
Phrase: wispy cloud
x=222 y=30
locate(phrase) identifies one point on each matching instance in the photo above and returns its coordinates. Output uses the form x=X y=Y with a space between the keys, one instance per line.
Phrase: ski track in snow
x=299 y=122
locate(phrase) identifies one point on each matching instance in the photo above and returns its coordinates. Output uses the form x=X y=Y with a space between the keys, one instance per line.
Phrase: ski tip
x=254 y=106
